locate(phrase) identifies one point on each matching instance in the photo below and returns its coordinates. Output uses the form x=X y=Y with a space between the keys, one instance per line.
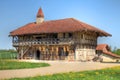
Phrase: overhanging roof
x=57 y=26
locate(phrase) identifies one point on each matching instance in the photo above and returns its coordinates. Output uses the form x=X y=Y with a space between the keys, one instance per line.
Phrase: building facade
x=64 y=39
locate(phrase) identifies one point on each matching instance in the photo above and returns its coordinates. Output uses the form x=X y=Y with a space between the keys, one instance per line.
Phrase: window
x=55 y=35
x=70 y=35
x=81 y=36
x=38 y=37
x=63 y=35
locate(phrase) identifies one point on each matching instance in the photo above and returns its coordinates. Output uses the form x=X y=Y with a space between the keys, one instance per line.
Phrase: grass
x=8 y=54
x=10 y=64
x=104 y=74
x=7 y=62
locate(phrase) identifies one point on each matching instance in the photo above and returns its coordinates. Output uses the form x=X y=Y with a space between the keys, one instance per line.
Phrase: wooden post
x=52 y=53
x=57 y=52
x=22 y=52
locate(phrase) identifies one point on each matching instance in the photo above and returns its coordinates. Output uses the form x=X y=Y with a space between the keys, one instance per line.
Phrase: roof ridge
x=59 y=19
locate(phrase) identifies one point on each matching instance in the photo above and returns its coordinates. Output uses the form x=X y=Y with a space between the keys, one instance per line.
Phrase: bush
x=116 y=51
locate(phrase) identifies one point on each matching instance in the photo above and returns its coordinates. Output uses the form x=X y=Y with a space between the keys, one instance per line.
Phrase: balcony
x=87 y=42
x=43 y=42
x=90 y=42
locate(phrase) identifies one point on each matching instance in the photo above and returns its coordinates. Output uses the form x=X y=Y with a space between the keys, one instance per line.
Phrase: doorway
x=61 y=53
x=38 y=55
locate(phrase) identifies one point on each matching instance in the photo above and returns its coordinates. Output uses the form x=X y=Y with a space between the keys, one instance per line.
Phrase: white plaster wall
x=39 y=20
x=107 y=58
x=79 y=55
x=85 y=54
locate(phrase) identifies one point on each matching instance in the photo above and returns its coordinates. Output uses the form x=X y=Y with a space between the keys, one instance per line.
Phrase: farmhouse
x=103 y=52
x=63 y=39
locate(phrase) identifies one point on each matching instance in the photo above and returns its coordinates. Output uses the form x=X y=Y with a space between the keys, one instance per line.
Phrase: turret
x=40 y=16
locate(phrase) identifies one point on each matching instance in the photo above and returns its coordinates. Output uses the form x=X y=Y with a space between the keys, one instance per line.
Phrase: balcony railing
x=88 y=42
x=84 y=41
x=43 y=41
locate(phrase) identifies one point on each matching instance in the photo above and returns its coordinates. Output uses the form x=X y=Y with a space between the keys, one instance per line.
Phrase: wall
x=107 y=58
x=39 y=20
x=83 y=53
x=85 y=45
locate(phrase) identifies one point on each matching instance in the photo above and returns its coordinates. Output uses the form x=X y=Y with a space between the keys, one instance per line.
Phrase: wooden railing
x=87 y=42
x=53 y=41
x=43 y=41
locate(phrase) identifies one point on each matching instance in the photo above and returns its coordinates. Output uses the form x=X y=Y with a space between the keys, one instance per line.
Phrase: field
x=104 y=74
x=8 y=54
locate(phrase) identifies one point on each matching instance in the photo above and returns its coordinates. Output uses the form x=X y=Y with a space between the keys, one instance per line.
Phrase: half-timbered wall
x=57 y=46
x=85 y=45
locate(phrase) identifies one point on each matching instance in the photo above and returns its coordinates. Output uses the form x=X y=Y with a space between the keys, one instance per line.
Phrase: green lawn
x=104 y=74
x=9 y=64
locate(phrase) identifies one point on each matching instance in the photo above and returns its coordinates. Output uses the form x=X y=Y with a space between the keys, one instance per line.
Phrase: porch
x=45 y=52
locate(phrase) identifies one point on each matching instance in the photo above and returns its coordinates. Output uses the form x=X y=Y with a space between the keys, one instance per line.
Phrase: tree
x=116 y=51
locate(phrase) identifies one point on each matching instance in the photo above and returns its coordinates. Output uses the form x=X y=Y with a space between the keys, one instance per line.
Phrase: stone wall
x=84 y=54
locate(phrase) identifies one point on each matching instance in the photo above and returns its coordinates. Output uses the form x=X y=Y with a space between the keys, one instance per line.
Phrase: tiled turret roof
x=40 y=13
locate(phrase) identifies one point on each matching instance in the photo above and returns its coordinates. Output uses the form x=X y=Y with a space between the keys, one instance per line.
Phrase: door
x=61 y=53
x=38 y=55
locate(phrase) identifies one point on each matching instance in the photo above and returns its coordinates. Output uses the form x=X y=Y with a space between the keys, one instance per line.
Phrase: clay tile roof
x=40 y=13
x=104 y=48
x=101 y=47
x=57 y=26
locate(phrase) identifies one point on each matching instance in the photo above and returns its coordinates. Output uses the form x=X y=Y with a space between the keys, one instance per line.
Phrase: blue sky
x=103 y=14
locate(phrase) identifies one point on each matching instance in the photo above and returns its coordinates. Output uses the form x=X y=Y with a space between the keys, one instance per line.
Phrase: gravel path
x=56 y=67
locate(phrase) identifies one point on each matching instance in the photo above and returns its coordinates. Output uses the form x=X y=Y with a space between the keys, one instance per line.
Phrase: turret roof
x=40 y=13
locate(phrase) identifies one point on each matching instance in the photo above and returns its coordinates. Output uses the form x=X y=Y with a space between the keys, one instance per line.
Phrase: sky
x=103 y=14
